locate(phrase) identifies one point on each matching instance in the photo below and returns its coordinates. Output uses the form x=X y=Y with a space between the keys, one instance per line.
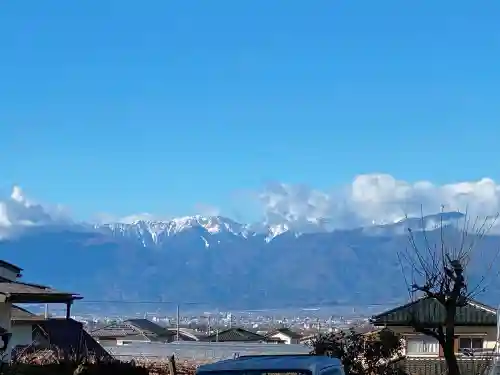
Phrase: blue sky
x=126 y=106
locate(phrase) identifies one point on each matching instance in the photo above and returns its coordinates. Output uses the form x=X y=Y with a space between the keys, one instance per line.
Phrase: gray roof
x=117 y=330
x=430 y=313
x=188 y=334
x=235 y=334
x=273 y=363
x=149 y=328
x=133 y=329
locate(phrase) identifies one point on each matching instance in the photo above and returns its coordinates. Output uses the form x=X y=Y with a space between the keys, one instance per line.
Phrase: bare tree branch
x=439 y=271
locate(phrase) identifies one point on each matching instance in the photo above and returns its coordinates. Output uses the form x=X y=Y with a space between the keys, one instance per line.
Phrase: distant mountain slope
x=219 y=261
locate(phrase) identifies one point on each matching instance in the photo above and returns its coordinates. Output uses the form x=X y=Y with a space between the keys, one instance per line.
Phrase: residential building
x=475 y=327
x=186 y=334
x=64 y=335
x=284 y=335
x=132 y=331
x=235 y=335
x=13 y=291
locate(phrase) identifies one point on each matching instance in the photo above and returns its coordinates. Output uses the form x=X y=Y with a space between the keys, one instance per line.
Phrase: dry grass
x=90 y=364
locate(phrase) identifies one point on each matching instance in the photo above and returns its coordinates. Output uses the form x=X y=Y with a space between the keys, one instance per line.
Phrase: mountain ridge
x=153 y=231
x=220 y=265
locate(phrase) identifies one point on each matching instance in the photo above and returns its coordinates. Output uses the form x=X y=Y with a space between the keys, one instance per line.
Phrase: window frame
x=426 y=342
x=471 y=340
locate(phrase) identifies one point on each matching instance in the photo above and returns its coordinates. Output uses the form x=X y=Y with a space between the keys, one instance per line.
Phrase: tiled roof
x=429 y=312
x=149 y=328
x=187 y=334
x=235 y=334
x=116 y=330
x=134 y=329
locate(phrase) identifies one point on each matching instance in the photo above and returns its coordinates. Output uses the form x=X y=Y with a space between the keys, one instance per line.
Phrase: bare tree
x=438 y=259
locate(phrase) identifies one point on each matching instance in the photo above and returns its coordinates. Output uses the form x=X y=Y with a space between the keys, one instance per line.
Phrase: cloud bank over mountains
x=377 y=199
x=369 y=199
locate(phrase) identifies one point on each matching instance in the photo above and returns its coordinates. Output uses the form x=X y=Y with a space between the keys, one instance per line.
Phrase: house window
x=470 y=343
x=422 y=345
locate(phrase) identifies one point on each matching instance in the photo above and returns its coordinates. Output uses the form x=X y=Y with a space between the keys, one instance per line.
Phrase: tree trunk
x=451 y=357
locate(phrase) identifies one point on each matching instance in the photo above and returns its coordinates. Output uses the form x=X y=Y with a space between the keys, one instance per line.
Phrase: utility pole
x=178 y=322
x=209 y=328
x=230 y=320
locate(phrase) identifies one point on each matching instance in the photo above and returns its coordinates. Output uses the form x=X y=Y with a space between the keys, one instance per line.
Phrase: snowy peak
x=212 y=224
x=155 y=232
x=152 y=232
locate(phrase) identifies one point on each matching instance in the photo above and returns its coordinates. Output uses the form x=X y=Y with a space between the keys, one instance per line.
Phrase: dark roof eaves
x=10 y=266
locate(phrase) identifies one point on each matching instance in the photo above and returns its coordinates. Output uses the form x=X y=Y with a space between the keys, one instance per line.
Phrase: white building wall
x=285 y=338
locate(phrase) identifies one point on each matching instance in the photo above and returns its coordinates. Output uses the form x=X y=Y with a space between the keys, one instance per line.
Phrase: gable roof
x=187 y=334
x=235 y=334
x=65 y=335
x=133 y=329
x=430 y=313
x=285 y=331
x=148 y=327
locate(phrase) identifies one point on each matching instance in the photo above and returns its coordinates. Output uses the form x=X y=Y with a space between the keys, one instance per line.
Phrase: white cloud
x=207 y=210
x=18 y=211
x=371 y=198
x=377 y=198
x=104 y=218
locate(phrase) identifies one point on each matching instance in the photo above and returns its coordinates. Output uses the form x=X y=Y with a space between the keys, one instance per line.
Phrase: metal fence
x=200 y=352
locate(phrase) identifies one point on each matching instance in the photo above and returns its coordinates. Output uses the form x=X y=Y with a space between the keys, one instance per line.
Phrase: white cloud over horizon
x=377 y=198
x=19 y=211
x=370 y=198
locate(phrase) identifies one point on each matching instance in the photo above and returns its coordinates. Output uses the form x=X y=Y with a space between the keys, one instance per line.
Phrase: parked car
x=275 y=365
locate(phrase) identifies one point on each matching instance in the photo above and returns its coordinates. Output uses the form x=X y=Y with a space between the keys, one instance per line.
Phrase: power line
x=308 y=306
x=143 y=302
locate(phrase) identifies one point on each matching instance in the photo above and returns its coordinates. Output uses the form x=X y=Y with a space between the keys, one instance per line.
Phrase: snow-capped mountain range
x=221 y=262
x=154 y=232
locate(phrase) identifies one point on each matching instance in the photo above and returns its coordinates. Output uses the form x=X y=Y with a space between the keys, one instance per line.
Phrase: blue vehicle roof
x=272 y=363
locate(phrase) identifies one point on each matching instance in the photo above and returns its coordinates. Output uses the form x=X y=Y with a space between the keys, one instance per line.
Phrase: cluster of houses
x=133 y=331
x=22 y=331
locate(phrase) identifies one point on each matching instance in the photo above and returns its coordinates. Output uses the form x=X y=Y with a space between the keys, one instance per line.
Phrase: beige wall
x=489 y=335
x=286 y=339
